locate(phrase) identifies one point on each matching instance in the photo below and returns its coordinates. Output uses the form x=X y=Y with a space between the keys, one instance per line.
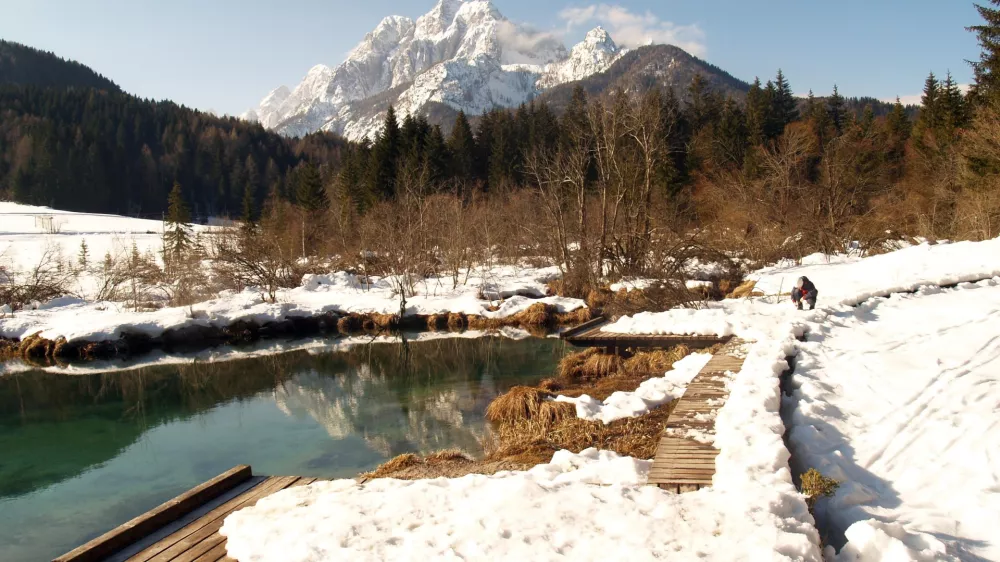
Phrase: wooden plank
x=185 y=539
x=589 y=326
x=217 y=553
x=208 y=538
x=147 y=523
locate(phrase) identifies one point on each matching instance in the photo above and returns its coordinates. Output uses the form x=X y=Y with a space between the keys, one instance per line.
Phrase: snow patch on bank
x=651 y=394
x=339 y=293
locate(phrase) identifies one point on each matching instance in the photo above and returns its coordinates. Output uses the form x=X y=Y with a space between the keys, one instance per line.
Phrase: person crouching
x=804 y=291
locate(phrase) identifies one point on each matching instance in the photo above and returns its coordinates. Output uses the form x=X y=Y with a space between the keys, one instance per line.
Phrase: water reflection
x=80 y=454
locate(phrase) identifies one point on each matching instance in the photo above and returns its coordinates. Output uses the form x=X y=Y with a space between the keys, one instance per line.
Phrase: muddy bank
x=538 y=319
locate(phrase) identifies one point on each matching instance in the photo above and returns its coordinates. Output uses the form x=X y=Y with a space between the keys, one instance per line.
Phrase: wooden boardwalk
x=684 y=464
x=589 y=334
x=185 y=529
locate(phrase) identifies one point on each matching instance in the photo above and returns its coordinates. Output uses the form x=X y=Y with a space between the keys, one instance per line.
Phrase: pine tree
x=756 y=113
x=952 y=111
x=783 y=105
x=83 y=257
x=868 y=120
x=462 y=146
x=835 y=108
x=987 y=69
x=309 y=192
x=730 y=135
x=177 y=229
x=898 y=123
x=929 y=110
x=385 y=156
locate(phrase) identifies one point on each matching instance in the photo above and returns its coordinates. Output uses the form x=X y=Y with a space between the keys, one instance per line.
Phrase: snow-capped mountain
x=463 y=54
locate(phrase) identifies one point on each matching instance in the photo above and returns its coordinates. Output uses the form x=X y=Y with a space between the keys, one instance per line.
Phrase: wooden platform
x=589 y=334
x=185 y=529
x=684 y=464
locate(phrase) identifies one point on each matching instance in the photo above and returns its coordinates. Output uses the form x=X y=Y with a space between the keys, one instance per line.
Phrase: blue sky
x=225 y=55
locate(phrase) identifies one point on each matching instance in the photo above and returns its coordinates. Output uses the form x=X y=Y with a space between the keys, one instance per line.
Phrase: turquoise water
x=81 y=454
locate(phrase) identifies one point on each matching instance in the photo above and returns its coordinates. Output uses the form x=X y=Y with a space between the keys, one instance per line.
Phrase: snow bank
x=339 y=293
x=579 y=507
x=898 y=399
x=650 y=394
x=850 y=280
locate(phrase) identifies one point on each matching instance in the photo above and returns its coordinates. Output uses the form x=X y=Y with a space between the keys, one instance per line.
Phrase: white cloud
x=525 y=44
x=914 y=99
x=633 y=29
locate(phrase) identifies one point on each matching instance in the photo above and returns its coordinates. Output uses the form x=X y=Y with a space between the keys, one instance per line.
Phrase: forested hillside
x=23 y=65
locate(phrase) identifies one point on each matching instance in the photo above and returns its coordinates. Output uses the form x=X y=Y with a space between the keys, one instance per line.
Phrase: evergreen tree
x=868 y=120
x=898 y=123
x=462 y=147
x=309 y=193
x=756 y=113
x=987 y=69
x=783 y=105
x=177 y=229
x=385 y=156
x=83 y=257
x=436 y=156
x=952 y=109
x=835 y=108
x=929 y=109
x=730 y=136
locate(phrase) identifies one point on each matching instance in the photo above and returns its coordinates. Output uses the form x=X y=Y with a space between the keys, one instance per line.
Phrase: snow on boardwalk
x=900 y=400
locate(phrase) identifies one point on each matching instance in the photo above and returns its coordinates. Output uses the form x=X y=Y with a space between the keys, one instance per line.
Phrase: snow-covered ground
x=25 y=232
x=78 y=320
x=897 y=397
x=900 y=400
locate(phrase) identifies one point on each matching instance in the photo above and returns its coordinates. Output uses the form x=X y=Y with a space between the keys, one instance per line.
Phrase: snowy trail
x=900 y=400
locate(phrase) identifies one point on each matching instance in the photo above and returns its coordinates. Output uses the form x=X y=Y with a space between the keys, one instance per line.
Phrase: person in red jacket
x=806 y=292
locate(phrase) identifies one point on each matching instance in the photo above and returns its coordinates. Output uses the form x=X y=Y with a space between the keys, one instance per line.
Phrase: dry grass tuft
x=518 y=403
x=448 y=455
x=385 y=321
x=744 y=290
x=597 y=299
x=550 y=385
x=437 y=322
x=589 y=365
x=349 y=324
x=394 y=464
x=655 y=363
x=457 y=321
x=538 y=314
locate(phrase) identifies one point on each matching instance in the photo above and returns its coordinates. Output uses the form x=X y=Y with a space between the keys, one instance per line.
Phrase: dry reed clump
x=394 y=464
x=655 y=362
x=534 y=440
x=589 y=365
x=350 y=324
x=745 y=290
x=437 y=322
x=448 y=455
x=578 y=316
x=550 y=385
x=385 y=321
x=538 y=314
x=598 y=298
x=457 y=321
x=518 y=403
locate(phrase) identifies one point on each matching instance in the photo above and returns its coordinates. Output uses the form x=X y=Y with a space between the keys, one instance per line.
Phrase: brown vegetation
x=529 y=427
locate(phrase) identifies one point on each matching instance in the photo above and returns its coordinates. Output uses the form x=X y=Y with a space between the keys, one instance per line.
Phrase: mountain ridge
x=463 y=53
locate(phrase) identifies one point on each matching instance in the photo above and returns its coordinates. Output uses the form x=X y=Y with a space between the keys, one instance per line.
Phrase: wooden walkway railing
x=683 y=463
